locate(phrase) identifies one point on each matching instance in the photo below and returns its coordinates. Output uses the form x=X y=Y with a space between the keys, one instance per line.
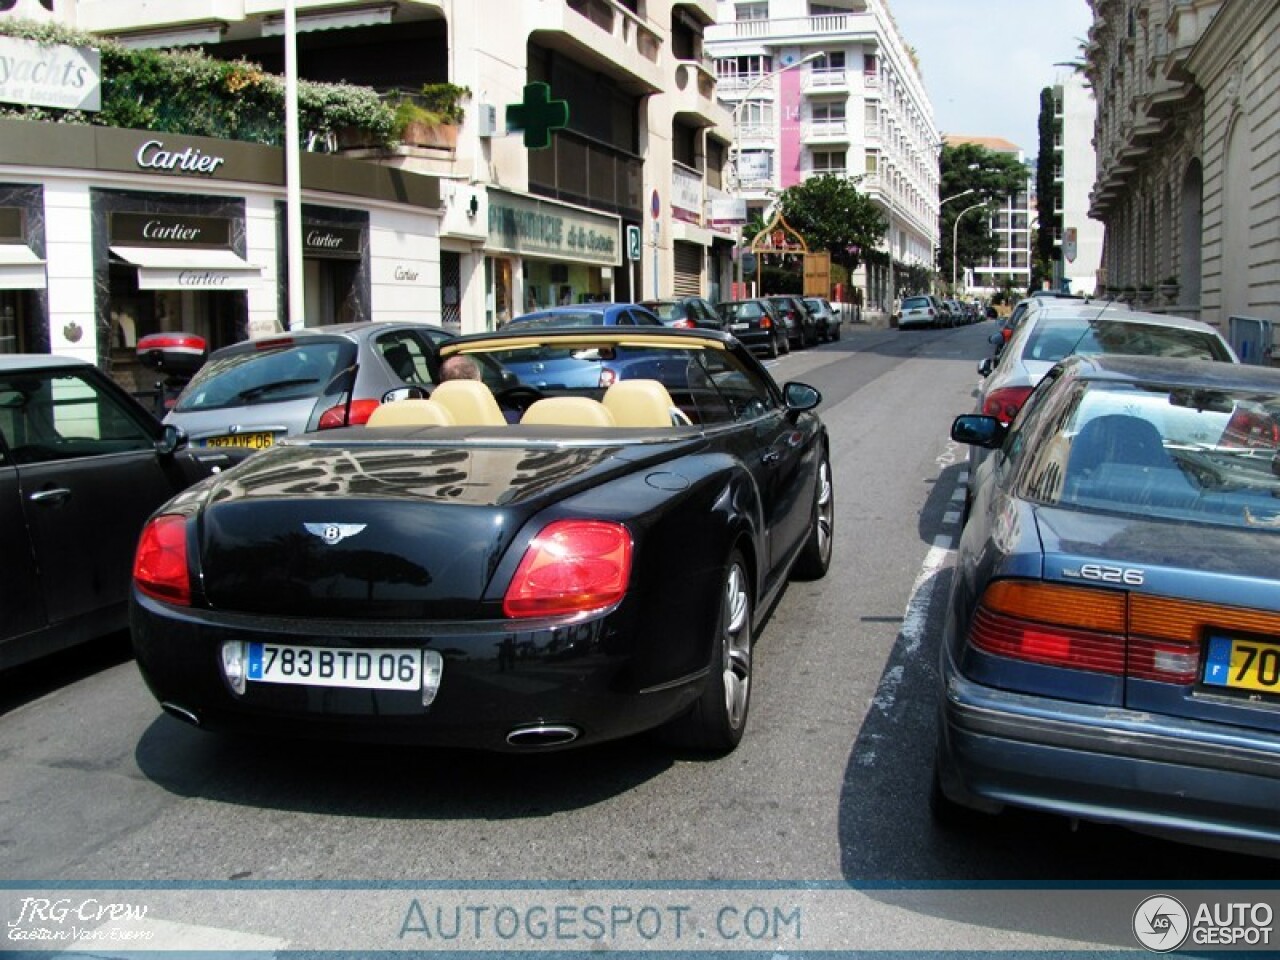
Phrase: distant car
x=825 y=316
x=82 y=466
x=685 y=312
x=588 y=315
x=254 y=393
x=757 y=323
x=1111 y=651
x=922 y=310
x=602 y=568
x=802 y=328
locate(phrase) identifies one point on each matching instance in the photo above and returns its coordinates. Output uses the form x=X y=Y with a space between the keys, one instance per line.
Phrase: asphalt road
x=829 y=785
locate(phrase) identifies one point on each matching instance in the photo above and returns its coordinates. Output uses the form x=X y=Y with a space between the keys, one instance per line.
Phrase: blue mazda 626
x=1112 y=646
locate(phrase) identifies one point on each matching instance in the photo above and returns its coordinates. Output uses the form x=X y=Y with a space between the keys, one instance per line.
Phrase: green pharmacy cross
x=537 y=116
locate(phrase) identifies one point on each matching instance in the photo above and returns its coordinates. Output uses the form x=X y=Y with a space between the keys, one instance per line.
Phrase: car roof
x=1119 y=312
x=350 y=331
x=590 y=335
x=17 y=362
x=1209 y=374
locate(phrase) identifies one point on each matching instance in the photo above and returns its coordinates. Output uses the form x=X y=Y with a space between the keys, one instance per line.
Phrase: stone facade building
x=1188 y=142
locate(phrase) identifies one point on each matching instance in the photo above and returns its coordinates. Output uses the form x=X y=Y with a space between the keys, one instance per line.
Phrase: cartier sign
x=169 y=230
x=319 y=240
x=154 y=155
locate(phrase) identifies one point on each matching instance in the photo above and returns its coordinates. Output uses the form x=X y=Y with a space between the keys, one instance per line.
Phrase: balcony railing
x=826 y=81
x=826 y=130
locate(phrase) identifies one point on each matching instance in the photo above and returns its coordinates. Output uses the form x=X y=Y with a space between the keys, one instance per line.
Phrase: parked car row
x=1111 y=651
x=927 y=310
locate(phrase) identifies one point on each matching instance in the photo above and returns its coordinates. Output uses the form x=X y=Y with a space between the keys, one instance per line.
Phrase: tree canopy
x=833 y=215
x=991 y=176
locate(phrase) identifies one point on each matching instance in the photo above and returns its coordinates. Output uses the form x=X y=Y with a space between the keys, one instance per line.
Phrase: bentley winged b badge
x=334 y=532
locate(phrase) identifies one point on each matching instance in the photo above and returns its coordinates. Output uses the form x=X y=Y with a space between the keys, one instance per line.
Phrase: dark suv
x=756 y=323
x=802 y=329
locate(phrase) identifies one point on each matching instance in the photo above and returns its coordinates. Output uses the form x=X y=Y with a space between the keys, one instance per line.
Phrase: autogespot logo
x=1160 y=923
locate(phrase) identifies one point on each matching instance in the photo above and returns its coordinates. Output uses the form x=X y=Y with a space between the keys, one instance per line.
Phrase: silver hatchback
x=254 y=393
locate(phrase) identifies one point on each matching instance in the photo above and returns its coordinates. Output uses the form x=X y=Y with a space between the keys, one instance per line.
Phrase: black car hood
x=389 y=531
x=1192 y=560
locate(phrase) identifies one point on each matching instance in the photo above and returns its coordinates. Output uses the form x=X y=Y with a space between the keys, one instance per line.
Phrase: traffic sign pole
x=655 y=209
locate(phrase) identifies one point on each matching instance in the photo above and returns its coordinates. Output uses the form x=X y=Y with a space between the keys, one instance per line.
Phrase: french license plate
x=1243 y=664
x=335 y=667
x=255 y=441
x=739 y=326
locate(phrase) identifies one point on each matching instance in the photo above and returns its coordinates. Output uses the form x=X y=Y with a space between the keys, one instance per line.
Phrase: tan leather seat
x=640 y=403
x=470 y=402
x=568 y=411
x=413 y=412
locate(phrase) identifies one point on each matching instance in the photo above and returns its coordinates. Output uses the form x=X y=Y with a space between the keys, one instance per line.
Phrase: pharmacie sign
x=526 y=225
x=57 y=75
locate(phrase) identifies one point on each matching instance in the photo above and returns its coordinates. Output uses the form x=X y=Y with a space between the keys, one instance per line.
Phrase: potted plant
x=1129 y=293
x=1146 y=292
x=431 y=117
x=1169 y=289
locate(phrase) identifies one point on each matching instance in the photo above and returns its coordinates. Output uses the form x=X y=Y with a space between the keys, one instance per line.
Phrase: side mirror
x=404 y=393
x=996 y=338
x=172 y=439
x=800 y=397
x=978 y=431
x=985 y=366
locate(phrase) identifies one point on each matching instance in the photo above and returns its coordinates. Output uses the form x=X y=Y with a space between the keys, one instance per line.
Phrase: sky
x=986 y=61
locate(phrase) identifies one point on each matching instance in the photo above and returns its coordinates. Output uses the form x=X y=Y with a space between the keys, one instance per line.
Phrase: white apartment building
x=1075 y=170
x=1013 y=224
x=860 y=110
x=511 y=228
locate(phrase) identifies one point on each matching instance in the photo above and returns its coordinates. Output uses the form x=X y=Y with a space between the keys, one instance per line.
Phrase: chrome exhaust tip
x=182 y=713
x=543 y=735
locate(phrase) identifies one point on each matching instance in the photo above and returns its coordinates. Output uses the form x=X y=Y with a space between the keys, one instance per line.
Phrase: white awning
x=20 y=269
x=189 y=268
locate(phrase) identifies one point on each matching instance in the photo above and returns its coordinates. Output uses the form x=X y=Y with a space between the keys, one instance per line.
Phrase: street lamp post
x=955 y=238
x=735 y=148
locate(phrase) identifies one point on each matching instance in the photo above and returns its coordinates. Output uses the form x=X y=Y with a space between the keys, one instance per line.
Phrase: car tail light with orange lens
x=572 y=566
x=1005 y=403
x=1105 y=631
x=160 y=563
x=344 y=416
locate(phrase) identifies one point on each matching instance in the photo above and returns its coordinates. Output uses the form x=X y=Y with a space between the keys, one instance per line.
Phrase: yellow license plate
x=254 y=441
x=1243 y=664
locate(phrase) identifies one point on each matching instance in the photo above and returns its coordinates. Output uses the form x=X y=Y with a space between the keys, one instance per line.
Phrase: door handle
x=52 y=495
x=771 y=456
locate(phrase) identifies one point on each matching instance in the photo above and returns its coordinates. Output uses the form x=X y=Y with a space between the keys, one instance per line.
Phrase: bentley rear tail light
x=572 y=566
x=339 y=416
x=160 y=563
x=1005 y=403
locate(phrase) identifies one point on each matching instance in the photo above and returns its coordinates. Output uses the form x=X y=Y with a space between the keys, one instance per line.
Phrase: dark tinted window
x=291 y=370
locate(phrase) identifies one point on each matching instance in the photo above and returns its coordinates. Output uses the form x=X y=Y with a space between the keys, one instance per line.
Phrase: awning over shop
x=189 y=268
x=20 y=269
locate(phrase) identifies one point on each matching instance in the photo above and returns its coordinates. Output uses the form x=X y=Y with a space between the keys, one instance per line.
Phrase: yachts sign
x=68 y=78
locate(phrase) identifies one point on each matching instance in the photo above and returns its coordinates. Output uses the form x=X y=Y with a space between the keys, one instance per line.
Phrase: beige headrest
x=411 y=412
x=568 y=411
x=470 y=402
x=639 y=403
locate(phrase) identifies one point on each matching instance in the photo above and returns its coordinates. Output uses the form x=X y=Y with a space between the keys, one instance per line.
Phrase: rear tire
x=717 y=720
x=786 y=344
x=815 y=556
x=773 y=348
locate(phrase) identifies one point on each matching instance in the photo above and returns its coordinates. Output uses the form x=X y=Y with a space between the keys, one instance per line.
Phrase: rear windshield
x=667 y=311
x=289 y=371
x=569 y=318
x=915 y=303
x=1057 y=337
x=740 y=311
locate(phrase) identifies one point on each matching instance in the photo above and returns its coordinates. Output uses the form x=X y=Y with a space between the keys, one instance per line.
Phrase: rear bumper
x=1190 y=779
x=494 y=681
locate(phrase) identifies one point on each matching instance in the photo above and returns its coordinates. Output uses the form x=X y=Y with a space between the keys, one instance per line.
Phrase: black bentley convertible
x=578 y=550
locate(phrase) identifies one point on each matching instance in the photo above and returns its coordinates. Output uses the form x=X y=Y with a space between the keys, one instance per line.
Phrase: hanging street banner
x=34 y=75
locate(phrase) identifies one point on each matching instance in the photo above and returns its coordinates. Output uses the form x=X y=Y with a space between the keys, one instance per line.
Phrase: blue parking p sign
x=633 y=243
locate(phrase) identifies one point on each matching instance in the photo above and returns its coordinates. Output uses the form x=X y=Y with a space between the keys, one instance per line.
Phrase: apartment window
x=870 y=65
x=755 y=117
x=872 y=117
x=828 y=161
x=828 y=112
x=684 y=144
x=873 y=162
x=746 y=67
x=751 y=11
